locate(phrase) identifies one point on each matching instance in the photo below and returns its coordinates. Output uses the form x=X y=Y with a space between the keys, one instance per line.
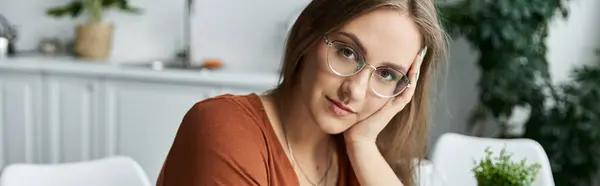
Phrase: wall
x=248 y=38
x=235 y=31
x=573 y=42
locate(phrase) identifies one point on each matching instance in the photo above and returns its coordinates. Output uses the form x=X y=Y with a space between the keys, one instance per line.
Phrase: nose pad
x=355 y=87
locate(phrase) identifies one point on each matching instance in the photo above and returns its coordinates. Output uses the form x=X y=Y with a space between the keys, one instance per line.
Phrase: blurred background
x=84 y=80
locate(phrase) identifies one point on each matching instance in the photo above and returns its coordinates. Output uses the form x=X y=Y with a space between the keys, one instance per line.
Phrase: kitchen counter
x=70 y=65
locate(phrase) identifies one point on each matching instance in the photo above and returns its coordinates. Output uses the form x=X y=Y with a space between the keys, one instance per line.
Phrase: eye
x=387 y=75
x=347 y=53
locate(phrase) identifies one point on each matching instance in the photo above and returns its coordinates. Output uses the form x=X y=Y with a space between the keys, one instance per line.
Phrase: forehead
x=387 y=35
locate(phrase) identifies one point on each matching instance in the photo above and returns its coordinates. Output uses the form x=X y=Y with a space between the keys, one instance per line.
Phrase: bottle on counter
x=3 y=48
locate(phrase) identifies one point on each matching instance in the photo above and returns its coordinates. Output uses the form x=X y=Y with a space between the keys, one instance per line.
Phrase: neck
x=301 y=129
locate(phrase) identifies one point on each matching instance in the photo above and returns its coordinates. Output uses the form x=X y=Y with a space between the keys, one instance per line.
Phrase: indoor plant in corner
x=510 y=36
x=501 y=170
x=94 y=38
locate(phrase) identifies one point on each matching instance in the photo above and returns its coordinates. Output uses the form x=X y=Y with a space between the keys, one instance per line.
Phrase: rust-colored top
x=228 y=140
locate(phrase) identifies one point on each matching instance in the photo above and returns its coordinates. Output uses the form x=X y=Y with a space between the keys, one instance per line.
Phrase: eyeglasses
x=345 y=61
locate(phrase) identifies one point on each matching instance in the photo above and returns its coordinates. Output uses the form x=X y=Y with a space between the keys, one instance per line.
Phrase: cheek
x=325 y=76
x=373 y=105
x=312 y=77
x=316 y=74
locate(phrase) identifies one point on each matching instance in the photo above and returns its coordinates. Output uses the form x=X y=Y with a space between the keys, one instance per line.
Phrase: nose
x=356 y=87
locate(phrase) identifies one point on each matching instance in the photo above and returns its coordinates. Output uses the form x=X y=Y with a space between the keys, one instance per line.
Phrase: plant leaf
x=74 y=9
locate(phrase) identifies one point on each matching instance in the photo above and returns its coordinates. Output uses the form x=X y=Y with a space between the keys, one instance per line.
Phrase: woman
x=349 y=110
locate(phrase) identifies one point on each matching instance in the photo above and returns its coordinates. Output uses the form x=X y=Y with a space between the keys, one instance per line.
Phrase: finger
x=415 y=77
x=407 y=94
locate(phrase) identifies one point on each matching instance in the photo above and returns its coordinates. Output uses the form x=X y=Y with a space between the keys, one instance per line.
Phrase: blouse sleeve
x=217 y=143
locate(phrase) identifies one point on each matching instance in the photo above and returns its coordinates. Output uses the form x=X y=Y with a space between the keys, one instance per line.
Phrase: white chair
x=424 y=174
x=454 y=156
x=112 y=171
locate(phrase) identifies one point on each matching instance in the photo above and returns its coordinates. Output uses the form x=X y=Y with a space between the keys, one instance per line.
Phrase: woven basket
x=94 y=40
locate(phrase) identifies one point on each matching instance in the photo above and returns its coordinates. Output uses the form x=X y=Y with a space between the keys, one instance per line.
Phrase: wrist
x=360 y=144
x=359 y=141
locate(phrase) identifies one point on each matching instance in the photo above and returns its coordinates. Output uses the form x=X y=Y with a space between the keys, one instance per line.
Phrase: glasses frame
x=364 y=62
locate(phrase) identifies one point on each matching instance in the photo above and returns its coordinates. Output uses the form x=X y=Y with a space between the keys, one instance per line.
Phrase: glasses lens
x=388 y=81
x=343 y=59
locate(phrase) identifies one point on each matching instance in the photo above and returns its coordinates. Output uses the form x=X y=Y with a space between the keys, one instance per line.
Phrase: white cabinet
x=68 y=114
x=143 y=118
x=72 y=118
x=20 y=117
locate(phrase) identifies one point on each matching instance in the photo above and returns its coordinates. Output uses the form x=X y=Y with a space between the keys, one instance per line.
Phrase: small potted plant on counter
x=94 y=38
x=501 y=170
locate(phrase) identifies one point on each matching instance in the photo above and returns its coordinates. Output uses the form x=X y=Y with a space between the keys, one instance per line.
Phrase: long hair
x=405 y=138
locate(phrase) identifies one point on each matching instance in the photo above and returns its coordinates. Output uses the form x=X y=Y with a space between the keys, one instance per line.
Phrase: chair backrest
x=113 y=171
x=454 y=156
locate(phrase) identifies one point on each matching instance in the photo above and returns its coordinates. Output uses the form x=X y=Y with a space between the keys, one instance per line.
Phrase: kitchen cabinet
x=57 y=112
x=20 y=116
x=143 y=117
x=72 y=106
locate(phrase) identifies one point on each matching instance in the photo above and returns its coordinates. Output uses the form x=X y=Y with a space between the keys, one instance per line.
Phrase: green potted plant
x=569 y=130
x=502 y=170
x=94 y=38
x=510 y=36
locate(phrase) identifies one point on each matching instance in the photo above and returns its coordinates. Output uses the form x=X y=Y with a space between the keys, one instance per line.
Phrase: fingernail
x=423 y=52
x=417 y=77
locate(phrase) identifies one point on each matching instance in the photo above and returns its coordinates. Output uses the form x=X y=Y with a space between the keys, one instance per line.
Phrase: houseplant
x=502 y=170
x=510 y=36
x=569 y=130
x=564 y=118
x=94 y=38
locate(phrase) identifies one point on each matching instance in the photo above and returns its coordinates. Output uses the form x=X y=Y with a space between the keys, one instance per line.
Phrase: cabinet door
x=19 y=117
x=72 y=105
x=143 y=118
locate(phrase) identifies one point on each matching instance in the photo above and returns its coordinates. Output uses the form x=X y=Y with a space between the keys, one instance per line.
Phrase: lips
x=340 y=105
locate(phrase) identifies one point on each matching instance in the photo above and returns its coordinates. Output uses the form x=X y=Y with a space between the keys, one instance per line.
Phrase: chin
x=332 y=126
x=327 y=121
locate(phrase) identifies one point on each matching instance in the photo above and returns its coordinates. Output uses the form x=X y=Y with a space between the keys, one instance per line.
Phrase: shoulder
x=220 y=140
x=226 y=113
x=229 y=109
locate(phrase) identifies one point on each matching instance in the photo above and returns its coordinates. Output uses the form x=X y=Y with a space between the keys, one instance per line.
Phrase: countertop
x=74 y=66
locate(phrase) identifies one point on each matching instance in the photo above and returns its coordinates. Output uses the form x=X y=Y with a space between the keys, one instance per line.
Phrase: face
x=386 y=39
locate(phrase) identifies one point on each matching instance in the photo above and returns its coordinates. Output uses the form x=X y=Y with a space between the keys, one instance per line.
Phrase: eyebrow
x=364 y=52
x=395 y=66
x=355 y=40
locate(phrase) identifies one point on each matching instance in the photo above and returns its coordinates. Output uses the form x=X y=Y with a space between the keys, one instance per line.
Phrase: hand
x=368 y=129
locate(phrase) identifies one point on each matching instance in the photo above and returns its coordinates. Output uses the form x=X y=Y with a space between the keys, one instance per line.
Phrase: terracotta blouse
x=228 y=140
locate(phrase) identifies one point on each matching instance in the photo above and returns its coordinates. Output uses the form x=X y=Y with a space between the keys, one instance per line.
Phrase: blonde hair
x=406 y=136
